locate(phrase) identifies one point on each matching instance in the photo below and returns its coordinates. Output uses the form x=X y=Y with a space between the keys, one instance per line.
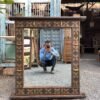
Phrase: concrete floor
x=90 y=77
x=89 y=80
x=37 y=77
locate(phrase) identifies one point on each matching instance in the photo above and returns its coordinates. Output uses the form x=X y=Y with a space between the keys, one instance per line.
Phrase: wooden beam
x=11 y=38
x=77 y=1
x=48 y=97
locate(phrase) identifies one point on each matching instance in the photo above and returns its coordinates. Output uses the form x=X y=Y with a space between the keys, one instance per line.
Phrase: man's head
x=47 y=44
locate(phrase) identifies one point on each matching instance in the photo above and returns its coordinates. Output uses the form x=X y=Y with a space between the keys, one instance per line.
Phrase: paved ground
x=90 y=80
x=6 y=87
x=90 y=77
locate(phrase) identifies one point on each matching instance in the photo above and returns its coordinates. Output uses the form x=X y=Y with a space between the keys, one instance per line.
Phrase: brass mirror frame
x=47 y=22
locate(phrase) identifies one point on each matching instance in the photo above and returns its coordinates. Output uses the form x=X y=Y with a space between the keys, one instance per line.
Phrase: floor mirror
x=31 y=81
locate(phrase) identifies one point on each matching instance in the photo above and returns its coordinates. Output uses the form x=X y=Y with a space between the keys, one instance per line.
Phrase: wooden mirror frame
x=47 y=22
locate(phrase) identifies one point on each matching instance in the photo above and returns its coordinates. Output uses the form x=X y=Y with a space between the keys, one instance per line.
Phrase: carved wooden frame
x=31 y=22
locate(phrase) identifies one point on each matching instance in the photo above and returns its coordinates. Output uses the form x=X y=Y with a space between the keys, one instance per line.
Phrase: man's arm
x=42 y=54
x=54 y=52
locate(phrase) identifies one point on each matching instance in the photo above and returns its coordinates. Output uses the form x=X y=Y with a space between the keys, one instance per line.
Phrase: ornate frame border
x=47 y=22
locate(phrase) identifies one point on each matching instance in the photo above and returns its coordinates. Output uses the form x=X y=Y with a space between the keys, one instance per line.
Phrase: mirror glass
x=47 y=57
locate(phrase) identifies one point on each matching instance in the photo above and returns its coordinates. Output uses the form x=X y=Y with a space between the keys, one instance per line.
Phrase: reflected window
x=40 y=9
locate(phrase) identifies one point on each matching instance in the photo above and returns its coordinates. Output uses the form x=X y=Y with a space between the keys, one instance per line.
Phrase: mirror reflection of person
x=48 y=56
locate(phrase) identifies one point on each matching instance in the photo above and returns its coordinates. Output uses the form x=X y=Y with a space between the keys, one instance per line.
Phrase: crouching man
x=48 y=56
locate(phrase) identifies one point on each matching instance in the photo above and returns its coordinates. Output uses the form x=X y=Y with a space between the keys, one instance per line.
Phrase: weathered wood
x=11 y=38
x=1 y=71
x=99 y=55
x=77 y=1
x=48 y=92
x=9 y=71
x=48 y=97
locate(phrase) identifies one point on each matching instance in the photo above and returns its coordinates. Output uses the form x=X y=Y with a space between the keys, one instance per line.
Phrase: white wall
x=2 y=6
x=31 y=0
x=39 y=0
x=20 y=0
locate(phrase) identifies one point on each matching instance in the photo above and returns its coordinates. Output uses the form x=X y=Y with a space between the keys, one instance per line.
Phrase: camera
x=48 y=46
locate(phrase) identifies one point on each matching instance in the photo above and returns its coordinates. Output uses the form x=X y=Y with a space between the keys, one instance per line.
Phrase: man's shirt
x=44 y=55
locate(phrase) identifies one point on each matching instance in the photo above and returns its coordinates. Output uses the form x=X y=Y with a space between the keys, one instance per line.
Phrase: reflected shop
x=35 y=76
x=31 y=79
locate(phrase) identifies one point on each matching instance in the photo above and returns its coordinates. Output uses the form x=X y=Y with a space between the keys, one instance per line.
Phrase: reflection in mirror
x=53 y=57
x=27 y=48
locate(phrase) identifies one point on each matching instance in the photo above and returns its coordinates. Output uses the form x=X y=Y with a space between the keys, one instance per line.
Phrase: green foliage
x=6 y=1
x=1 y=9
x=28 y=60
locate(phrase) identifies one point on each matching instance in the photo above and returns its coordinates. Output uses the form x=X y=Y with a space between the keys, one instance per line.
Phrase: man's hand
x=48 y=49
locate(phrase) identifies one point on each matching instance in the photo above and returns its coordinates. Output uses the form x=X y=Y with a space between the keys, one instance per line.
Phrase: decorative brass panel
x=74 y=24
